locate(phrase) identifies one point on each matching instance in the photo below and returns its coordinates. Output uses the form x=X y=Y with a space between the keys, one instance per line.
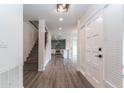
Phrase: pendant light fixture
x=63 y=8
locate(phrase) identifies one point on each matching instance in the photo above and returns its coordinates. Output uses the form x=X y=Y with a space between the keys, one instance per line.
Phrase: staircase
x=32 y=61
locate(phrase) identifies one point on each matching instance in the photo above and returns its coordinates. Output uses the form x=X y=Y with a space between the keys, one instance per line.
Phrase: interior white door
x=94 y=51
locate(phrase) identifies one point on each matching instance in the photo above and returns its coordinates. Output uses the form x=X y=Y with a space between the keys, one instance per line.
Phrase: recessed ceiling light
x=60 y=28
x=60 y=19
x=99 y=19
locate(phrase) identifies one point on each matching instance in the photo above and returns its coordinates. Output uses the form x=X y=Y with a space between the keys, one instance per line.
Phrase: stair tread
x=31 y=63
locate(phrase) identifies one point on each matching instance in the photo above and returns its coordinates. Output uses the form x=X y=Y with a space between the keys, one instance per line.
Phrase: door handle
x=99 y=56
x=99 y=49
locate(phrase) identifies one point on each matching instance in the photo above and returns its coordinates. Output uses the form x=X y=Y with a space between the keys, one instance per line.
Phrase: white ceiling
x=51 y=16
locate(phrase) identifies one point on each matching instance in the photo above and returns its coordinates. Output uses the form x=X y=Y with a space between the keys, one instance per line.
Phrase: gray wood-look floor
x=59 y=73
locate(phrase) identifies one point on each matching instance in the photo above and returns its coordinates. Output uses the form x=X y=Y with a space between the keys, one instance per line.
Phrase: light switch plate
x=3 y=45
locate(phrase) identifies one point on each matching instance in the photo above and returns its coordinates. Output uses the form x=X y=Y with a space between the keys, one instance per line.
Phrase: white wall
x=113 y=31
x=11 y=45
x=44 y=52
x=81 y=48
x=48 y=51
x=30 y=36
x=113 y=34
x=41 y=42
x=123 y=50
x=71 y=46
x=74 y=48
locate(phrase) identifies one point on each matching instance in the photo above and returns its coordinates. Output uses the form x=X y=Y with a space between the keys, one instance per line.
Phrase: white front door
x=94 y=51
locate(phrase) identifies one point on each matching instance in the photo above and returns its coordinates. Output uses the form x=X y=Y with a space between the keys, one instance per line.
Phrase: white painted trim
x=9 y=67
x=108 y=84
x=82 y=72
x=40 y=69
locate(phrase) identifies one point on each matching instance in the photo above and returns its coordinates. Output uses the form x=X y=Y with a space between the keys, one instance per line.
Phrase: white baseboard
x=82 y=72
x=40 y=70
x=107 y=84
x=22 y=87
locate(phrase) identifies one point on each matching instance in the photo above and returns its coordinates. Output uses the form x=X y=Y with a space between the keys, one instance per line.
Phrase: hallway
x=59 y=73
x=62 y=46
